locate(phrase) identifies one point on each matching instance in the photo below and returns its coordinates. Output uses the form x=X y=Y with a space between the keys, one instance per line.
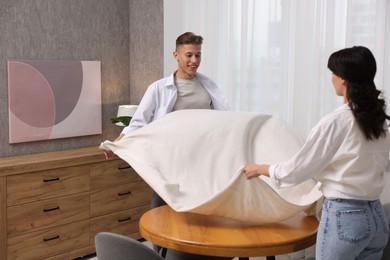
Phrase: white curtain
x=270 y=56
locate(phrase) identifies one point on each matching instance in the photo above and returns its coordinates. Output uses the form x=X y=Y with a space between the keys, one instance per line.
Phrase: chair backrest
x=386 y=252
x=111 y=246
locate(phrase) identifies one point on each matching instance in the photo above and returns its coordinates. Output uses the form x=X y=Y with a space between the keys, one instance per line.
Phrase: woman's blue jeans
x=351 y=229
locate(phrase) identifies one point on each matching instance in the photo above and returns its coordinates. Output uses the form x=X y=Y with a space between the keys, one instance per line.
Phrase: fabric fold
x=193 y=159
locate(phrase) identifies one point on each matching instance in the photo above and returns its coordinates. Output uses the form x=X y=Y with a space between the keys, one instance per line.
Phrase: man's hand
x=108 y=154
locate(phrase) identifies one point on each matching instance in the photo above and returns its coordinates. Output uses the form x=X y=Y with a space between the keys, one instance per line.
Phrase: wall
x=146 y=45
x=83 y=30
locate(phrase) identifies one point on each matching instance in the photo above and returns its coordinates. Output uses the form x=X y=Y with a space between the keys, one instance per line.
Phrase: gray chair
x=111 y=246
x=386 y=252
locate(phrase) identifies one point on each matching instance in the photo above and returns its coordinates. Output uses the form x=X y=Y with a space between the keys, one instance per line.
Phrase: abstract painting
x=53 y=99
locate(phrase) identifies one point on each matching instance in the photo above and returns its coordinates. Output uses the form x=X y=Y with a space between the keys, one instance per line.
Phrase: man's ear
x=175 y=54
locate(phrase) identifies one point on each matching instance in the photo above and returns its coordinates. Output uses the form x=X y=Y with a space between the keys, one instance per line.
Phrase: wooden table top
x=215 y=236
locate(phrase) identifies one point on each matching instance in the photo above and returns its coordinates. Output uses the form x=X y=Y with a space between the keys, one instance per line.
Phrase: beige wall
x=126 y=36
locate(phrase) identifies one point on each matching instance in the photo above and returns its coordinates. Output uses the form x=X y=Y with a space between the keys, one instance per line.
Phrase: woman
x=347 y=153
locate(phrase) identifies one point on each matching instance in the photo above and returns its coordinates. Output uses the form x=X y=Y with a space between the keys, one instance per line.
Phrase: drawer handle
x=52 y=179
x=124 y=219
x=51 y=238
x=124 y=167
x=124 y=193
x=51 y=209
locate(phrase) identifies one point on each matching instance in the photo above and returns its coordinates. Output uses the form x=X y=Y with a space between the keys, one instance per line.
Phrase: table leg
x=164 y=252
x=247 y=258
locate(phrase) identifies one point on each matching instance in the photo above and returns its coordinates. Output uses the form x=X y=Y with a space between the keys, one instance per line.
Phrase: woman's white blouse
x=340 y=158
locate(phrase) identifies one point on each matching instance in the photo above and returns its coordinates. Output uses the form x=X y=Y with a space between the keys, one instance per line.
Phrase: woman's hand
x=255 y=170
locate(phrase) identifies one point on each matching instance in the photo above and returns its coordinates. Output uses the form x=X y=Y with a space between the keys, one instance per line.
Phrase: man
x=183 y=89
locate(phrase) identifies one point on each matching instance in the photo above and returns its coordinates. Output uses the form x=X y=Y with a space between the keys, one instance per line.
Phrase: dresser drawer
x=49 y=242
x=47 y=213
x=124 y=222
x=47 y=184
x=121 y=197
x=112 y=173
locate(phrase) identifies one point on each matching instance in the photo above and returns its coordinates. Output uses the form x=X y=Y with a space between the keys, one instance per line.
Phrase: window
x=270 y=56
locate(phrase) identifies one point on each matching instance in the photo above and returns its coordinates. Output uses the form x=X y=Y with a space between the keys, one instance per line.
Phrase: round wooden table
x=215 y=236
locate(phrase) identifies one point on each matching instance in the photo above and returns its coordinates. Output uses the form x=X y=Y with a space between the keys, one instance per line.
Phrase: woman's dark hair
x=358 y=67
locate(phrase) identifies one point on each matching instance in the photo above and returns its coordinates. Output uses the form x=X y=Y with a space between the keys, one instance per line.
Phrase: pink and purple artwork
x=53 y=99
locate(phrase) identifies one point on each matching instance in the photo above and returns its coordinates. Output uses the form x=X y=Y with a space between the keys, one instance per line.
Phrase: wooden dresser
x=53 y=204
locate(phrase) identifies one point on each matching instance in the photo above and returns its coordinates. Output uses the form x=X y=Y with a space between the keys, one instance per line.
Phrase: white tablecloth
x=193 y=159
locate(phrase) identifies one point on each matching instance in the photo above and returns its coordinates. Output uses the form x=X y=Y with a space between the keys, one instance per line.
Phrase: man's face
x=188 y=57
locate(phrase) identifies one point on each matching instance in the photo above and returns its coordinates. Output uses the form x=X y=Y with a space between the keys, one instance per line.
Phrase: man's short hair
x=189 y=38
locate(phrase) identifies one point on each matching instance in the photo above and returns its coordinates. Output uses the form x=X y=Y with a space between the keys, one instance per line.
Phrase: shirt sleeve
x=218 y=100
x=318 y=150
x=145 y=111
